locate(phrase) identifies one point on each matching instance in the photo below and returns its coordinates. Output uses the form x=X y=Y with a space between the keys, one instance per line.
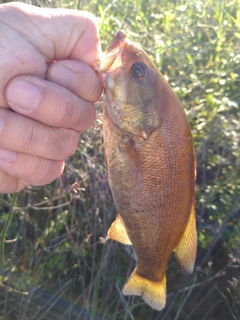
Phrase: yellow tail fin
x=153 y=292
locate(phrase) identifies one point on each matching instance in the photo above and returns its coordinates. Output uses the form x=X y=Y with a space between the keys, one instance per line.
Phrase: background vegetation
x=57 y=264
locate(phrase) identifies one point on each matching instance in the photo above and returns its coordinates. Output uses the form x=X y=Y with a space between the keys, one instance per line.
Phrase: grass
x=57 y=264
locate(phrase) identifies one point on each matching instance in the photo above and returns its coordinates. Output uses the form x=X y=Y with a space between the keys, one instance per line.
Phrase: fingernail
x=7 y=155
x=24 y=94
x=63 y=76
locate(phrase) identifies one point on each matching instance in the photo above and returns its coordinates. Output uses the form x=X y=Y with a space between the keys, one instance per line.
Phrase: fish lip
x=112 y=52
x=118 y=42
x=102 y=67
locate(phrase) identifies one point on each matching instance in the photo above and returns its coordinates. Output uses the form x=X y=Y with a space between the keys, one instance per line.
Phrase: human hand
x=50 y=102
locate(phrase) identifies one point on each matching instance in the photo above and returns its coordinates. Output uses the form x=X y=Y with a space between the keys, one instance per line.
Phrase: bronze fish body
x=150 y=160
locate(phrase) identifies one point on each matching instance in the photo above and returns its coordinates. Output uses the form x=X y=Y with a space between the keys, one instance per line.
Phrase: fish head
x=134 y=88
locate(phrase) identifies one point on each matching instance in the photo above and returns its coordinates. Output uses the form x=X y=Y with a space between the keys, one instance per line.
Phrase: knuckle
x=8 y=183
x=71 y=142
x=64 y=114
x=87 y=118
x=45 y=171
x=96 y=90
x=28 y=139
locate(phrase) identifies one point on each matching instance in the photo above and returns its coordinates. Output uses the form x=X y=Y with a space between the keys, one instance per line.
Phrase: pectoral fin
x=118 y=231
x=130 y=157
x=185 y=252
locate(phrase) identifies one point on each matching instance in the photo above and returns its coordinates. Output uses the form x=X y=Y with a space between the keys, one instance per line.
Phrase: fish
x=151 y=168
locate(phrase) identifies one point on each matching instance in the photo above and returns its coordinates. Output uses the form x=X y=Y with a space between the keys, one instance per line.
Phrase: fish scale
x=151 y=168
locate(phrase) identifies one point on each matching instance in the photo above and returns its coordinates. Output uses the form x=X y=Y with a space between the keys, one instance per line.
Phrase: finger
x=21 y=134
x=49 y=103
x=10 y=184
x=76 y=76
x=56 y=33
x=39 y=171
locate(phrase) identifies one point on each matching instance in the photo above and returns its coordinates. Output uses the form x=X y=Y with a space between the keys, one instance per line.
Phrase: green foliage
x=56 y=238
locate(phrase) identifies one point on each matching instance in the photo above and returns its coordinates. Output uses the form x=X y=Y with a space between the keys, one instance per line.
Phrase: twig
x=126 y=307
x=185 y=299
x=229 y=217
x=5 y=230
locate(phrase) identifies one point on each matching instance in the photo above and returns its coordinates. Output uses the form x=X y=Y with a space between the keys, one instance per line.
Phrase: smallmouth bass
x=150 y=161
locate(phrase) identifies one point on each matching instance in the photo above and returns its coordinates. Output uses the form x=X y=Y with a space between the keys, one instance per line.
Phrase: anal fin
x=118 y=231
x=185 y=252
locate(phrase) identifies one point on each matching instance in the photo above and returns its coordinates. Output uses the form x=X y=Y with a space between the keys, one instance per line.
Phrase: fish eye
x=139 y=70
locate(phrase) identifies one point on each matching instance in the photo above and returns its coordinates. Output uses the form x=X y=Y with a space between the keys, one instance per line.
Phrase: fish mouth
x=113 y=51
x=118 y=42
x=111 y=58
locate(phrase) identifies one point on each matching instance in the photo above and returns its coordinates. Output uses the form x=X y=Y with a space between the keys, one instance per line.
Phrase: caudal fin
x=153 y=292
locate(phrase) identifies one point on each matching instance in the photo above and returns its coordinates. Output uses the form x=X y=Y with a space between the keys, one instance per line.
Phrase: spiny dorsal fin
x=118 y=231
x=185 y=252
